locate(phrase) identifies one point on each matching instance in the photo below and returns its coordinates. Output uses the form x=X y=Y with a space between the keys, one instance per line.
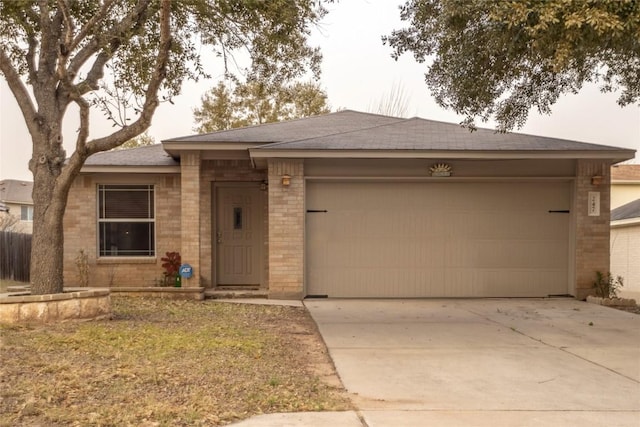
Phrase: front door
x=239 y=235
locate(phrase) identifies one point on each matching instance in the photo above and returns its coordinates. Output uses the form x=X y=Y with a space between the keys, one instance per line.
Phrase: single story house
x=625 y=227
x=15 y=200
x=625 y=184
x=350 y=204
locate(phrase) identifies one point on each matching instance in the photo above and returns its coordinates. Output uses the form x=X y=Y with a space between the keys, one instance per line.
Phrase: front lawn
x=166 y=363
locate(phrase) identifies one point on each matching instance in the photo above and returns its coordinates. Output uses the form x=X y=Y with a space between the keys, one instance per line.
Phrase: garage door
x=386 y=239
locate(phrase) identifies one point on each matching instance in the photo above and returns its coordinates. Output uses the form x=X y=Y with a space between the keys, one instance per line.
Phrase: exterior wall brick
x=185 y=214
x=185 y=221
x=190 y=214
x=286 y=229
x=592 y=232
x=81 y=231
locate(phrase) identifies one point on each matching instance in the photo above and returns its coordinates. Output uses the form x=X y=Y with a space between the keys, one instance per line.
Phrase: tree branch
x=63 y=6
x=74 y=164
x=19 y=91
x=151 y=94
x=89 y=27
x=31 y=58
x=134 y=19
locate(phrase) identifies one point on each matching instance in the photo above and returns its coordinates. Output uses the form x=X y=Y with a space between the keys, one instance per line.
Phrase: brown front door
x=239 y=235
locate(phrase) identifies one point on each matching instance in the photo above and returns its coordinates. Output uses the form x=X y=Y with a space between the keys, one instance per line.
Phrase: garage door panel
x=441 y=240
x=363 y=282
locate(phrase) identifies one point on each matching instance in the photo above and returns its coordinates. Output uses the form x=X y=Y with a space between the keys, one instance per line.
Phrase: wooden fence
x=15 y=256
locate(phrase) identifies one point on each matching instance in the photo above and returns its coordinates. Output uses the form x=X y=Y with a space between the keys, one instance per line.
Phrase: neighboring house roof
x=625 y=173
x=16 y=192
x=628 y=211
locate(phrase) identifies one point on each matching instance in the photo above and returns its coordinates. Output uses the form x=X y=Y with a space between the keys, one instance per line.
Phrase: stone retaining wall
x=161 y=292
x=87 y=304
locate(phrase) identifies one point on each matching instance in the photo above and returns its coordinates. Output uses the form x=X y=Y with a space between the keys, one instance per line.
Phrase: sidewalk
x=306 y=419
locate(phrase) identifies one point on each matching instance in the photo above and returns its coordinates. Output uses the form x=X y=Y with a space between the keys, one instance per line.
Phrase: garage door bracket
x=561 y=211
x=316 y=211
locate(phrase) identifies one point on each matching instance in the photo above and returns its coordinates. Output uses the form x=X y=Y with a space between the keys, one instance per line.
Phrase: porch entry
x=238 y=235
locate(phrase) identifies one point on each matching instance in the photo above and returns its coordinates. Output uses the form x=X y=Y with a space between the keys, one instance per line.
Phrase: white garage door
x=385 y=239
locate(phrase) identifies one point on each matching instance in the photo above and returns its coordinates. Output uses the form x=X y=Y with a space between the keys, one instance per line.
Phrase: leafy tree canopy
x=124 y=57
x=141 y=140
x=499 y=58
x=254 y=103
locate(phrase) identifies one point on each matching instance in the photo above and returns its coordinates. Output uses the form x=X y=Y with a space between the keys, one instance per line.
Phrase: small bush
x=171 y=264
x=606 y=286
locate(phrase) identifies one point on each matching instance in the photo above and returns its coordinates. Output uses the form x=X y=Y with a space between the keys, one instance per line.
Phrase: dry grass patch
x=166 y=363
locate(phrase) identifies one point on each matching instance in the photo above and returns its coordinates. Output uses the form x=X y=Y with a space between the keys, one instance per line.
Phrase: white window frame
x=29 y=210
x=99 y=221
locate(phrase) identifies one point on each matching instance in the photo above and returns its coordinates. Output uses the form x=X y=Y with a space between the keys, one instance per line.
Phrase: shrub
x=171 y=264
x=606 y=286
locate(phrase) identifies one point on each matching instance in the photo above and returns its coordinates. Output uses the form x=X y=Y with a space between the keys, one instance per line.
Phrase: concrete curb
x=307 y=419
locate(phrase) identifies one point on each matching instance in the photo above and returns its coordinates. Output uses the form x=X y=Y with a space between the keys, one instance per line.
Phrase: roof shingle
x=625 y=173
x=628 y=211
x=150 y=155
x=15 y=191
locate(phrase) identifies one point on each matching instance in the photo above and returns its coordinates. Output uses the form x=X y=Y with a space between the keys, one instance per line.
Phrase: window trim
x=100 y=221
x=29 y=209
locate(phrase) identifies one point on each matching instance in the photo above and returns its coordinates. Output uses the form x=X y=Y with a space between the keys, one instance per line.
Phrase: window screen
x=126 y=220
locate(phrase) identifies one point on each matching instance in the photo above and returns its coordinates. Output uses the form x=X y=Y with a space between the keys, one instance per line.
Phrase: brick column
x=190 y=214
x=592 y=232
x=286 y=229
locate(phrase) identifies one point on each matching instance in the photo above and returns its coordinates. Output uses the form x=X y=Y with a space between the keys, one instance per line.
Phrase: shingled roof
x=356 y=134
x=625 y=173
x=353 y=130
x=150 y=155
x=294 y=130
x=629 y=211
x=422 y=134
x=16 y=192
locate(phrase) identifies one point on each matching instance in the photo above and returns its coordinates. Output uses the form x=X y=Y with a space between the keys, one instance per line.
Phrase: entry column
x=286 y=228
x=190 y=214
x=592 y=202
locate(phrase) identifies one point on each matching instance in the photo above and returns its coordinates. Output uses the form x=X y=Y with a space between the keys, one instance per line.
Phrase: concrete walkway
x=486 y=362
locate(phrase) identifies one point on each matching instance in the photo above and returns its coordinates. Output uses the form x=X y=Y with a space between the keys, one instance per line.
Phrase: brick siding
x=183 y=223
x=80 y=228
x=592 y=232
x=286 y=230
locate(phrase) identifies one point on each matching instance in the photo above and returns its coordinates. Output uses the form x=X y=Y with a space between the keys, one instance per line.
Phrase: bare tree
x=393 y=103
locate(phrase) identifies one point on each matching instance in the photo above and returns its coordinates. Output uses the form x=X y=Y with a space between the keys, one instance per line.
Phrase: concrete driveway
x=485 y=362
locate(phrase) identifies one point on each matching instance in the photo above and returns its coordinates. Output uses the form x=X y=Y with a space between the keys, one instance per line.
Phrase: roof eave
x=129 y=169
x=174 y=148
x=614 y=156
x=17 y=202
x=625 y=222
x=625 y=181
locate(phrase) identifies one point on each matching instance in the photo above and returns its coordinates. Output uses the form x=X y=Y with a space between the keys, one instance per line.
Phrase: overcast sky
x=357 y=72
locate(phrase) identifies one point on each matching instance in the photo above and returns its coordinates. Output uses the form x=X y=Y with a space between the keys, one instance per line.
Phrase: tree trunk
x=50 y=191
x=47 y=244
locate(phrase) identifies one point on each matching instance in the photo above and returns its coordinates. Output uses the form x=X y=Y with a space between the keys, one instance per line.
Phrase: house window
x=26 y=213
x=126 y=220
